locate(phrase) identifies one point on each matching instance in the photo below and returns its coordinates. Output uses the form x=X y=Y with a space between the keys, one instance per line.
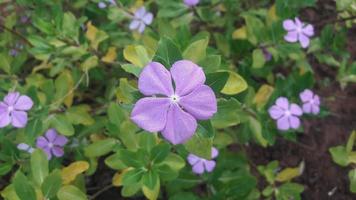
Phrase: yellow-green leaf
x=151 y=194
x=290 y=173
x=70 y=172
x=197 y=50
x=95 y=36
x=234 y=85
x=89 y=63
x=117 y=179
x=137 y=55
x=110 y=55
x=262 y=95
x=70 y=192
x=240 y=33
x=272 y=15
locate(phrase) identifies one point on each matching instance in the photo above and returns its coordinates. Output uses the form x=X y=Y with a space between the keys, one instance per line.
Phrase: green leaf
x=128 y=136
x=137 y=55
x=70 y=192
x=197 y=50
x=256 y=129
x=100 y=148
x=200 y=146
x=23 y=187
x=150 y=179
x=289 y=191
x=132 y=177
x=52 y=184
x=132 y=159
x=33 y=128
x=116 y=114
x=174 y=161
x=217 y=80
x=5 y=168
x=70 y=27
x=352 y=178
x=167 y=52
x=339 y=155
x=62 y=125
x=160 y=152
x=39 y=166
x=4 y=64
x=89 y=63
x=80 y=115
x=258 y=58
x=151 y=194
x=351 y=142
x=230 y=113
x=114 y=161
x=255 y=28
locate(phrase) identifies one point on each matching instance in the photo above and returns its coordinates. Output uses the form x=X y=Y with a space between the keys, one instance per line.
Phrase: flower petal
x=214 y=152
x=11 y=98
x=150 y=113
x=155 y=79
x=306 y=95
x=193 y=159
x=295 y=109
x=283 y=102
x=41 y=142
x=57 y=151
x=201 y=102
x=298 y=23
x=5 y=118
x=315 y=109
x=142 y=27
x=148 y=18
x=198 y=168
x=191 y=2
x=134 y=24
x=209 y=165
x=18 y=119
x=289 y=25
x=47 y=150
x=60 y=140
x=51 y=135
x=307 y=107
x=304 y=40
x=275 y=112
x=294 y=122
x=180 y=125
x=283 y=123
x=187 y=76
x=308 y=30
x=139 y=13
x=291 y=36
x=316 y=99
x=23 y=103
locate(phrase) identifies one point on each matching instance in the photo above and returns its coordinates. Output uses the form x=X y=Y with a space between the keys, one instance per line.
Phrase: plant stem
x=15 y=33
x=98 y=193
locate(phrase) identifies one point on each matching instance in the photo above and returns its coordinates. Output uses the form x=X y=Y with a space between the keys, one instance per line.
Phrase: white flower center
x=312 y=101
x=174 y=98
x=10 y=108
x=50 y=145
x=287 y=113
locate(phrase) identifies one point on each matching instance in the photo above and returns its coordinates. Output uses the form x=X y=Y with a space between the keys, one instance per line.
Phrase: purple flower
x=297 y=30
x=52 y=143
x=311 y=102
x=286 y=114
x=103 y=4
x=200 y=164
x=12 y=110
x=191 y=2
x=173 y=110
x=25 y=147
x=141 y=19
x=267 y=54
x=13 y=52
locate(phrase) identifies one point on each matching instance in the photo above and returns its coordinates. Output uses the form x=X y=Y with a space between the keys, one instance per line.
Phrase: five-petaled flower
x=13 y=110
x=173 y=111
x=286 y=114
x=191 y=2
x=141 y=19
x=298 y=31
x=200 y=164
x=52 y=143
x=311 y=102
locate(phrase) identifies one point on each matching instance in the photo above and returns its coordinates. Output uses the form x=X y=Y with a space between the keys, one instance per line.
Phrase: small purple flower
x=297 y=30
x=200 y=164
x=191 y=3
x=52 y=143
x=173 y=111
x=141 y=19
x=12 y=110
x=25 y=147
x=13 y=52
x=311 y=102
x=104 y=4
x=286 y=114
x=267 y=54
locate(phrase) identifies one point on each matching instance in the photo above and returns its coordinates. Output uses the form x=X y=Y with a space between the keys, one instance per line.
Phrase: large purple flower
x=141 y=19
x=297 y=30
x=191 y=2
x=52 y=143
x=200 y=164
x=311 y=102
x=287 y=115
x=173 y=110
x=13 y=110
